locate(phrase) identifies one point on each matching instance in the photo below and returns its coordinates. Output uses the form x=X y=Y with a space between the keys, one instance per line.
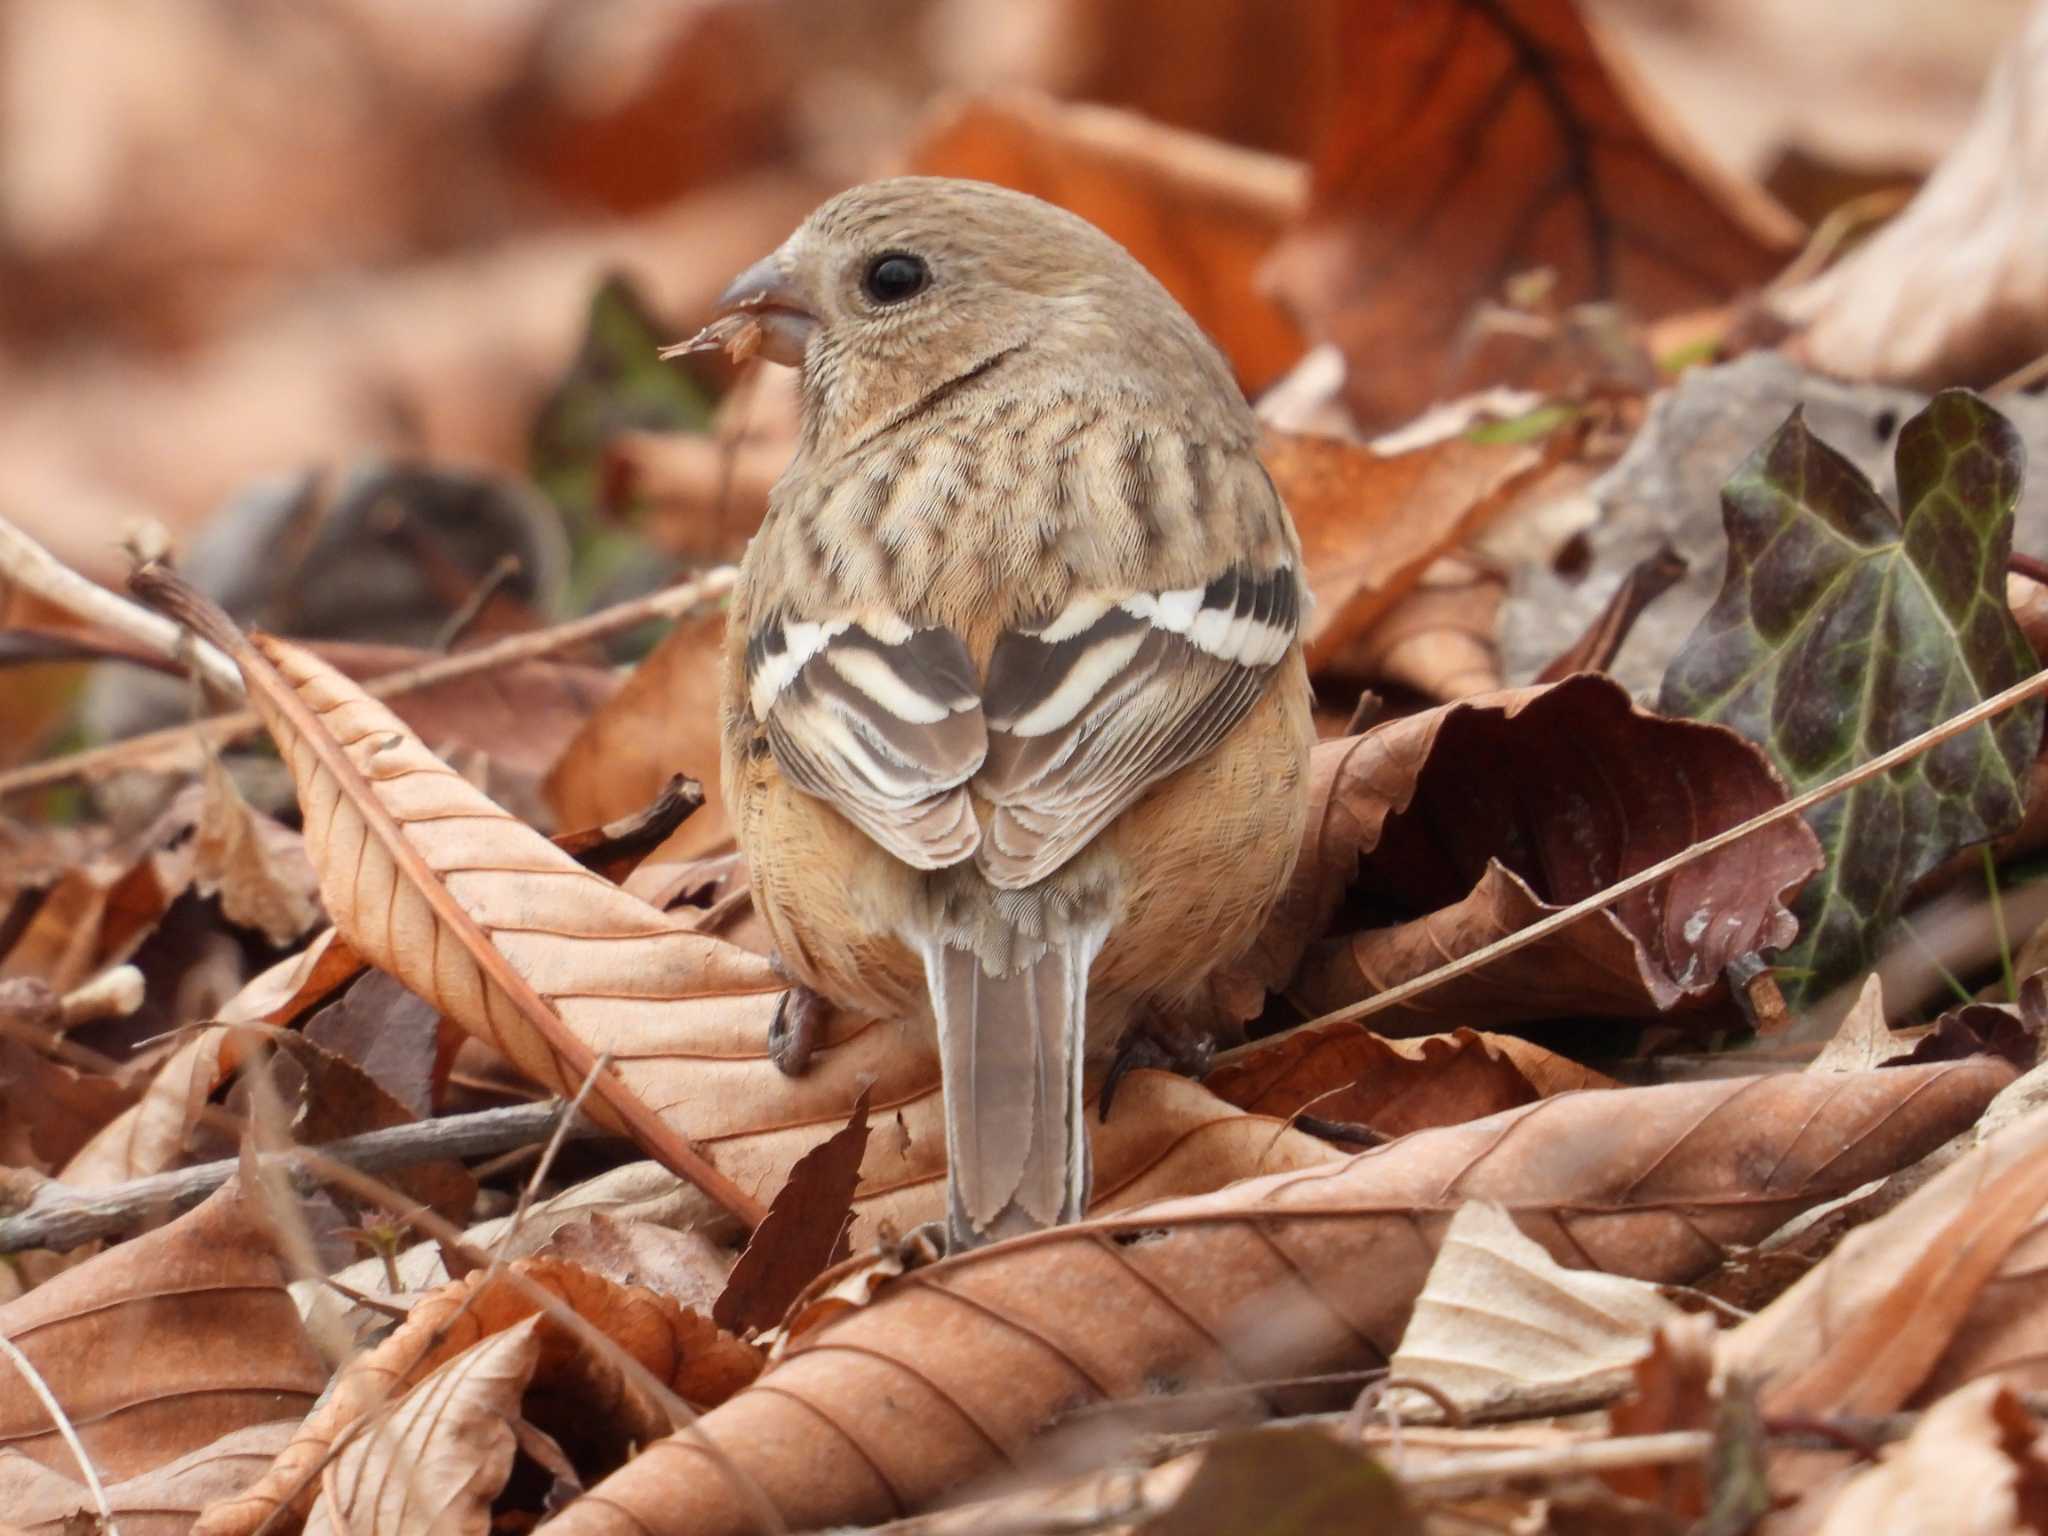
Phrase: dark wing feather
x=1089 y=710
x=883 y=722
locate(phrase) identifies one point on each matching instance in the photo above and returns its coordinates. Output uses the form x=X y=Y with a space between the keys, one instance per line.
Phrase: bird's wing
x=1112 y=694
x=881 y=720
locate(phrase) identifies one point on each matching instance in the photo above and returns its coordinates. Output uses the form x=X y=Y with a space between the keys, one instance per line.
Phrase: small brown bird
x=1015 y=717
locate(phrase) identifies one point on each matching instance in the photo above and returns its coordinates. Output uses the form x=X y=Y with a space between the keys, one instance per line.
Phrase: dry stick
x=1393 y=997
x=36 y=569
x=670 y=603
x=59 y=1217
x=507 y=566
x=662 y=1141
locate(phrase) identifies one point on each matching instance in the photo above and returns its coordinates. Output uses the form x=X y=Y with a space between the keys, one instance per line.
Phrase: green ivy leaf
x=1841 y=631
x=616 y=383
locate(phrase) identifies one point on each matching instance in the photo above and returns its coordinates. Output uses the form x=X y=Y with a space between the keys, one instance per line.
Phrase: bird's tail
x=1012 y=1048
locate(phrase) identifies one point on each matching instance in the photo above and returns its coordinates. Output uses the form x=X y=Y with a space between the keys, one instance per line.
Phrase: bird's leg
x=798 y=1025
x=1150 y=1043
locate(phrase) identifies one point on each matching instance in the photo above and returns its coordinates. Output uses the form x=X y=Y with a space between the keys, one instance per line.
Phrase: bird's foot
x=798 y=1026
x=1148 y=1044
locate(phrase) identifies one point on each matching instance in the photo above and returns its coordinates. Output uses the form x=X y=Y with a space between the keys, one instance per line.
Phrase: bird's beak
x=766 y=294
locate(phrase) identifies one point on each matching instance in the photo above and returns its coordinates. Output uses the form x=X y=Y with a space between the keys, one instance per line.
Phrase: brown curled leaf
x=1372 y=523
x=1435 y=833
x=1345 y=1072
x=682 y=1349
x=1291 y=1273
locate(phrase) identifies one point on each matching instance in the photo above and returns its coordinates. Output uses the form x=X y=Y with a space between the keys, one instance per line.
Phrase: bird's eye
x=894 y=277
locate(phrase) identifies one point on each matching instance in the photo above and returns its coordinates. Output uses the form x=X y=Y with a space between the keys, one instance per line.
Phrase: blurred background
x=354 y=301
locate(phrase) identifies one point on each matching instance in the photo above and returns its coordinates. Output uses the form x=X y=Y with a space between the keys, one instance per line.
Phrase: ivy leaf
x=1841 y=631
x=616 y=383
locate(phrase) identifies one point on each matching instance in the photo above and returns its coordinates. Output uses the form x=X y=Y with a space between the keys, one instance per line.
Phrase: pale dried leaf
x=1955 y=289
x=682 y=1349
x=431 y=1465
x=1437 y=638
x=1345 y=1072
x=258 y=870
x=1499 y=1316
x=552 y=966
x=1862 y=1040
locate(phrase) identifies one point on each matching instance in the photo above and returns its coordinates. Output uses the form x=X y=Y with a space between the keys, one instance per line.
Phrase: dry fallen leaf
x=662 y=721
x=1862 y=1040
x=1300 y=1272
x=258 y=870
x=683 y=1350
x=1346 y=1073
x=150 y=1135
x=161 y=1345
x=1372 y=523
x=1478 y=142
x=436 y=1458
x=1674 y=1388
x=1297 y=1479
x=1438 y=637
x=1939 y=1291
x=1499 y=1318
x=1200 y=215
x=163 y=1501
x=522 y=715
x=1974 y=1456
x=803 y=1232
x=1955 y=289
x=1454 y=826
x=547 y=963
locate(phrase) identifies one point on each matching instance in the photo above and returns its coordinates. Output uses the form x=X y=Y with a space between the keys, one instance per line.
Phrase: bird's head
x=893 y=291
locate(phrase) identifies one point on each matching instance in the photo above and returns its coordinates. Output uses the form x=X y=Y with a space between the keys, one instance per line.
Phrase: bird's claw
x=798 y=1026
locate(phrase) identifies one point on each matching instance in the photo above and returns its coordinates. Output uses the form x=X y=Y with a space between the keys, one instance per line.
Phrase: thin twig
x=35 y=569
x=508 y=565
x=182 y=744
x=1578 y=911
x=598 y=1068
x=62 y=1420
x=60 y=1217
x=2026 y=376
x=1462 y=1476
